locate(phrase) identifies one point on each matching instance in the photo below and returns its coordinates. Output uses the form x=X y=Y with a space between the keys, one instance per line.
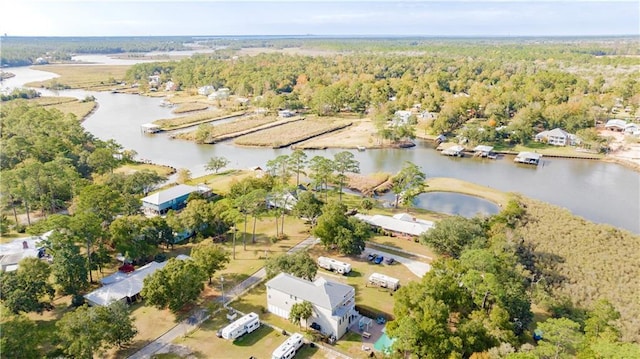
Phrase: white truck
x=242 y=326
x=384 y=281
x=289 y=348
x=334 y=265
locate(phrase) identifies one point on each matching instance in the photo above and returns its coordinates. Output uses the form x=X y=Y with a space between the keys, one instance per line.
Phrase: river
x=598 y=191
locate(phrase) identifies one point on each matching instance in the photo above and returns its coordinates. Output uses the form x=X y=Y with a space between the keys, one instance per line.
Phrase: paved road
x=200 y=315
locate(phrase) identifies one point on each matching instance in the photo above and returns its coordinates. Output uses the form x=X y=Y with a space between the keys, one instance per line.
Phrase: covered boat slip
x=529 y=158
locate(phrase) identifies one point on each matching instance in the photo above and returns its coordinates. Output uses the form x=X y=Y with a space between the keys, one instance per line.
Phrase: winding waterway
x=599 y=191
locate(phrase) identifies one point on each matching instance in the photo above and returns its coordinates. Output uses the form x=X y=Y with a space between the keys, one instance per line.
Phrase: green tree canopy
x=300 y=311
x=336 y=230
x=216 y=163
x=452 y=234
x=408 y=183
x=28 y=289
x=299 y=264
x=211 y=258
x=178 y=283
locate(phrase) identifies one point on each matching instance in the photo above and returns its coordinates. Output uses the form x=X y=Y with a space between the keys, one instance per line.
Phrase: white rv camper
x=289 y=348
x=242 y=326
x=334 y=265
x=384 y=281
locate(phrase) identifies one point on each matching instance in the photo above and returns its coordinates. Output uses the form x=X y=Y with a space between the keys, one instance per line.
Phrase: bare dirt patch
x=624 y=149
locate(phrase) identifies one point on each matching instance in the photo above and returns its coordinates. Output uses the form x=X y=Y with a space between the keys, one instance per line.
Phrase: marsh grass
x=287 y=134
x=94 y=77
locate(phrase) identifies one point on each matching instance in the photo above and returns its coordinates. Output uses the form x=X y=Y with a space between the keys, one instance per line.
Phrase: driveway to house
x=416 y=267
x=200 y=315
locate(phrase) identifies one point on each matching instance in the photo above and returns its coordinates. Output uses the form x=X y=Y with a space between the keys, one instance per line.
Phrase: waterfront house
x=557 y=137
x=632 y=129
x=173 y=198
x=401 y=118
x=529 y=158
x=286 y=113
x=220 y=94
x=333 y=303
x=401 y=224
x=615 y=125
x=206 y=90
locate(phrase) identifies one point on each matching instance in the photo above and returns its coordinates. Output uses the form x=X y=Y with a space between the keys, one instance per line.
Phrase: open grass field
x=290 y=133
x=94 y=77
x=66 y=105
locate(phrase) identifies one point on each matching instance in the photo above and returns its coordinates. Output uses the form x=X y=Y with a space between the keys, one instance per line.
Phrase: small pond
x=451 y=203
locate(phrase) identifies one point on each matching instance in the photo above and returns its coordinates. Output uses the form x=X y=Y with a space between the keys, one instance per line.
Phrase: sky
x=302 y=17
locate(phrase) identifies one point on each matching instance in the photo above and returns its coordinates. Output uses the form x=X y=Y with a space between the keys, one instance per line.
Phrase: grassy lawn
x=408 y=245
x=259 y=343
x=222 y=181
x=94 y=77
x=151 y=323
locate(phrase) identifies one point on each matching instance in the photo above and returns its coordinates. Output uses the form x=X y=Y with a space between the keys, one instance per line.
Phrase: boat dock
x=528 y=158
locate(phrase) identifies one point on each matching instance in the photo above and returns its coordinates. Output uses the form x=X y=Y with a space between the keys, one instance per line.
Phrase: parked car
x=316 y=326
x=371 y=256
x=390 y=260
x=378 y=260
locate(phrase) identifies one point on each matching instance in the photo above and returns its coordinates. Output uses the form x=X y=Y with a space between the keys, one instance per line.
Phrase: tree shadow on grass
x=251 y=339
x=354 y=274
x=307 y=351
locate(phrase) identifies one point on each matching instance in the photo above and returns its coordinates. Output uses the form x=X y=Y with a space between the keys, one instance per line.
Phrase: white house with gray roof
x=333 y=303
x=557 y=137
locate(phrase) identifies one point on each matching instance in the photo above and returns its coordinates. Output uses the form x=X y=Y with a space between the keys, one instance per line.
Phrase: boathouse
x=456 y=151
x=528 y=158
x=483 y=151
x=149 y=128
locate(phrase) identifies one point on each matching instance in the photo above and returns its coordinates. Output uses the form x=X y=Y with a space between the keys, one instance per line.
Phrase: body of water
x=599 y=191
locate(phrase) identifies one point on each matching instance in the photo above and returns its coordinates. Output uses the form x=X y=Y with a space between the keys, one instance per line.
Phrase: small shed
x=528 y=158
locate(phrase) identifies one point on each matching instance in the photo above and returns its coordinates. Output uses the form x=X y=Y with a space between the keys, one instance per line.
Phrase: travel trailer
x=289 y=348
x=334 y=265
x=242 y=326
x=384 y=281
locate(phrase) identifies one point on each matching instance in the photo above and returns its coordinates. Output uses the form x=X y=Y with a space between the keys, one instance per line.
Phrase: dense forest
x=475 y=88
x=24 y=51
